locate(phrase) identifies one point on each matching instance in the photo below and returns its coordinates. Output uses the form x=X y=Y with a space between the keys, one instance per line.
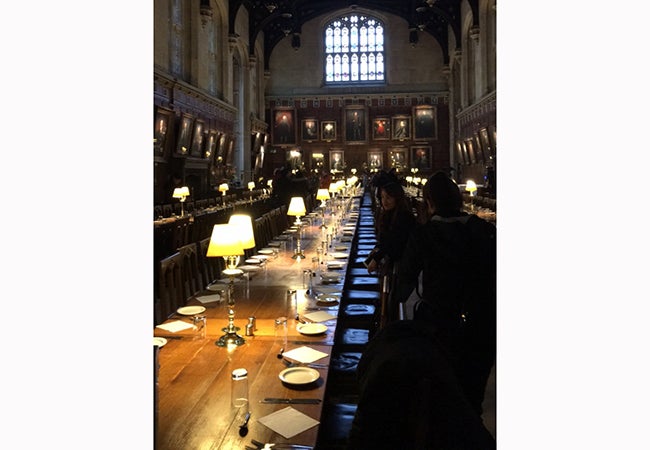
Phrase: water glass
x=281 y=331
x=200 y=326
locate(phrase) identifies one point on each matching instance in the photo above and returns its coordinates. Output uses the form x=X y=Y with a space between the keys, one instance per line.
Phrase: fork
x=312 y=365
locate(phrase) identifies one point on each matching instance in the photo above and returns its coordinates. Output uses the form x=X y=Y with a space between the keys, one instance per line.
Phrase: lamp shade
x=225 y=241
x=251 y=185
x=296 y=207
x=322 y=194
x=223 y=187
x=181 y=192
x=333 y=187
x=243 y=224
x=470 y=186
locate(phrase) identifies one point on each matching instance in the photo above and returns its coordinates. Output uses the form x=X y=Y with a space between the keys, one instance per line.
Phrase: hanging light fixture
x=286 y=26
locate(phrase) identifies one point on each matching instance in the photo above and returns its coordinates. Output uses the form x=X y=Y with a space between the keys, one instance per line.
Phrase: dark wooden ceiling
x=282 y=19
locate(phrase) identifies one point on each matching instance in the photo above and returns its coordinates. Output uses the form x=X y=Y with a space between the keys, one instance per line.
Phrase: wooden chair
x=192 y=277
x=170 y=288
x=210 y=267
x=182 y=232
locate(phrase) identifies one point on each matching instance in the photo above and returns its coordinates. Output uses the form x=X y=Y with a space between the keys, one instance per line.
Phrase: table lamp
x=226 y=242
x=243 y=223
x=471 y=188
x=223 y=188
x=323 y=195
x=251 y=186
x=181 y=193
x=297 y=209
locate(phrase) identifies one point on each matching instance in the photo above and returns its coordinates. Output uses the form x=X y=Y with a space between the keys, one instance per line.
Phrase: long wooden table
x=194 y=377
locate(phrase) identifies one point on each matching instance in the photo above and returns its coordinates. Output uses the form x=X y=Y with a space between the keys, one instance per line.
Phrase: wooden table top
x=194 y=378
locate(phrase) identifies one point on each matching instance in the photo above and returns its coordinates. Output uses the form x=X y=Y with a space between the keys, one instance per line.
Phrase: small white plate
x=266 y=251
x=253 y=261
x=327 y=277
x=299 y=375
x=327 y=298
x=311 y=328
x=190 y=310
x=261 y=257
x=335 y=265
x=159 y=341
x=340 y=248
x=250 y=268
x=337 y=255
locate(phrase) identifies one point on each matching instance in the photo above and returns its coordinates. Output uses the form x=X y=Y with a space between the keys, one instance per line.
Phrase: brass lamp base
x=298 y=254
x=230 y=338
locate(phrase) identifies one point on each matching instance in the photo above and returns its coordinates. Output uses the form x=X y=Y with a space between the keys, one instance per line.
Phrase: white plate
x=335 y=265
x=250 y=268
x=340 y=248
x=261 y=257
x=159 y=341
x=190 y=310
x=299 y=375
x=330 y=278
x=337 y=255
x=311 y=328
x=266 y=251
x=217 y=287
x=253 y=261
x=327 y=298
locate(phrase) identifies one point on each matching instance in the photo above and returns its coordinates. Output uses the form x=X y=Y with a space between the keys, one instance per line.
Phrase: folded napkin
x=319 y=316
x=305 y=354
x=209 y=298
x=175 y=326
x=288 y=422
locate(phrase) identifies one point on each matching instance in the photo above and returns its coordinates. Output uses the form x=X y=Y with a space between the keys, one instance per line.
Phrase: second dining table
x=193 y=375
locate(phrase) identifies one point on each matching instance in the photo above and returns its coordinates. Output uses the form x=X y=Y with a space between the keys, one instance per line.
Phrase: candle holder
x=297 y=209
x=229 y=241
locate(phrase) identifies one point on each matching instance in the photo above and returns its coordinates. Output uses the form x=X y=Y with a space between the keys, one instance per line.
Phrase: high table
x=194 y=376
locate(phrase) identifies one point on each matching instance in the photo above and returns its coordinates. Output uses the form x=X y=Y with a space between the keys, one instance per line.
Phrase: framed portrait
x=401 y=126
x=196 y=149
x=210 y=145
x=355 y=124
x=381 y=128
x=317 y=161
x=375 y=160
x=309 y=130
x=284 y=128
x=337 y=162
x=492 y=135
x=184 y=134
x=328 y=130
x=421 y=156
x=460 y=152
x=485 y=144
x=230 y=142
x=259 y=162
x=220 y=151
x=294 y=158
x=425 y=123
x=162 y=119
x=478 y=149
x=397 y=158
x=471 y=150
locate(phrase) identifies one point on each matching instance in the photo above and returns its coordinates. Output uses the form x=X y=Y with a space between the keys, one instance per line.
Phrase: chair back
x=170 y=288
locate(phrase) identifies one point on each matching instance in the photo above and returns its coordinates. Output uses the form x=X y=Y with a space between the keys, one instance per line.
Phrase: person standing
x=456 y=254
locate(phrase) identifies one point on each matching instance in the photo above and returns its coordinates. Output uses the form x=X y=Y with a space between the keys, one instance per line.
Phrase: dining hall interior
x=248 y=92
x=329 y=92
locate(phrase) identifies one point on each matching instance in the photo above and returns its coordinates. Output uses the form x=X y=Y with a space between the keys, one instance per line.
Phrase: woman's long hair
x=388 y=219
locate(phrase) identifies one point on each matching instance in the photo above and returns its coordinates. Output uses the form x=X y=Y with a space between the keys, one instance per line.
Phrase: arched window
x=354 y=50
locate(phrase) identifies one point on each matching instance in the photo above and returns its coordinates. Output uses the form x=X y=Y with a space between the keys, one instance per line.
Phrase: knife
x=306 y=401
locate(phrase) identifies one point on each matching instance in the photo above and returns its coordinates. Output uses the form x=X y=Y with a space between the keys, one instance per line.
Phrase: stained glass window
x=354 y=50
